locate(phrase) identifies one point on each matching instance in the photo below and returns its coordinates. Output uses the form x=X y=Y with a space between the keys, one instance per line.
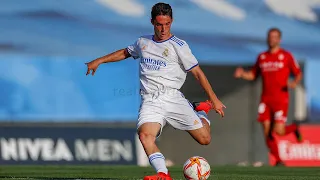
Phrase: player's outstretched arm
x=201 y=77
x=246 y=75
x=113 y=57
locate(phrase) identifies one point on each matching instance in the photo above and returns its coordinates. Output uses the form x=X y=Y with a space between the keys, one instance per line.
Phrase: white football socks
x=157 y=161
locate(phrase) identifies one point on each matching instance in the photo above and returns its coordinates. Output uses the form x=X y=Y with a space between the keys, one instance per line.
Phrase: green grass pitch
x=134 y=172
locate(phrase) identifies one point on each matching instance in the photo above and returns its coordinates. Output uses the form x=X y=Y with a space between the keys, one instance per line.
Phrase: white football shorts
x=169 y=106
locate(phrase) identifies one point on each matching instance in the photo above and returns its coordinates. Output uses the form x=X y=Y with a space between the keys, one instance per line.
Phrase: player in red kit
x=274 y=66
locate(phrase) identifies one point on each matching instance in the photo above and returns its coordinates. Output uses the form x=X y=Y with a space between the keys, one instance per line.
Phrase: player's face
x=162 y=25
x=274 y=39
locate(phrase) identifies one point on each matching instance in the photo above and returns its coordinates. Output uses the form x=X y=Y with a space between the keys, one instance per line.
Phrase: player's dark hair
x=275 y=29
x=161 y=9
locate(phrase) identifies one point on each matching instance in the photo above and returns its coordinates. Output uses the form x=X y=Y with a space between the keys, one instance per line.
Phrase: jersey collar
x=163 y=40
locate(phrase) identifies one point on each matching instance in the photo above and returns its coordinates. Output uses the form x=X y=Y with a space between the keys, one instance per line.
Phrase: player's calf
x=282 y=129
x=202 y=135
x=147 y=135
x=147 y=140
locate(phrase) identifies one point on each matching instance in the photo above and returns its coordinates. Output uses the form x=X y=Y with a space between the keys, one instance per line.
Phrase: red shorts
x=273 y=111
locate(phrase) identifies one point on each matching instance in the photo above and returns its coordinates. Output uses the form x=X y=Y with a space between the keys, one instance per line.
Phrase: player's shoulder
x=177 y=41
x=285 y=52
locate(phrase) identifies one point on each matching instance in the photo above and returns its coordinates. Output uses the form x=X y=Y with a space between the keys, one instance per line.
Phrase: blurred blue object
x=44 y=44
x=313 y=90
x=56 y=89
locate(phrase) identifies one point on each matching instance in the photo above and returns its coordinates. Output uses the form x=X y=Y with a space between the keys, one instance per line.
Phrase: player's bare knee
x=279 y=129
x=146 y=138
x=280 y=132
x=205 y=140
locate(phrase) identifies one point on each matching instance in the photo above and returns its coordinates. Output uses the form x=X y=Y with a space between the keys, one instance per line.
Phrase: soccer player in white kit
x=164 y=63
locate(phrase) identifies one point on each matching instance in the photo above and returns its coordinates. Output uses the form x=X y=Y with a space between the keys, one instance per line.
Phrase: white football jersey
x=163 y=65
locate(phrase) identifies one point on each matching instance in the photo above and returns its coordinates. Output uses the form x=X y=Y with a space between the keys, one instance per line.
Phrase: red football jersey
x=275 y=69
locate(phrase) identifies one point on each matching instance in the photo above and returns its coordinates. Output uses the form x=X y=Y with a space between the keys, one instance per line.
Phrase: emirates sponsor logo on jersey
x=298 y=151
x=152 y=64
x=271 y=66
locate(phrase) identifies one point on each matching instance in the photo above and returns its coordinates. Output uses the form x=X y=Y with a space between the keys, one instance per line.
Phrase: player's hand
x=292 y=84
x=92 y=66
x=238 y=72
x=218 y=107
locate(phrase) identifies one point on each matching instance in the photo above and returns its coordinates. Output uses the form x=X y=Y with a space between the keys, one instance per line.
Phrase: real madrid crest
x=165 y=52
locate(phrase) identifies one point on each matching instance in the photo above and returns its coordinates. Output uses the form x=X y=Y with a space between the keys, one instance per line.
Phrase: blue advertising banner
x=67 y=145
